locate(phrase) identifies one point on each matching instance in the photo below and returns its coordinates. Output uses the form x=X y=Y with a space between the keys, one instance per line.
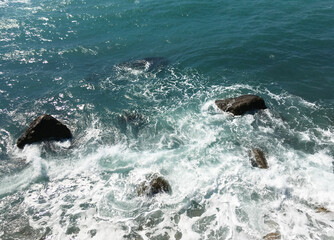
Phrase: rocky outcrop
x=44 y=128
x=241 y=104
x=153 y=185
x=258 y=158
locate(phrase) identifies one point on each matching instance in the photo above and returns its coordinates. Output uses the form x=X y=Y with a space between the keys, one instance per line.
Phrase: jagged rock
x=43 y=128
x=153 y=185
x=322 y=210
x=241 y=104
x=272 y=236
x=258 y=158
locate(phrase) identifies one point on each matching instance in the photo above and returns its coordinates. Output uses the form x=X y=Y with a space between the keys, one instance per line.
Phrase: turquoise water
x=76 y=60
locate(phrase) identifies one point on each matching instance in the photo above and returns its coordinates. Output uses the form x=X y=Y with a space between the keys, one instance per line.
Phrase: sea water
x=84 y=63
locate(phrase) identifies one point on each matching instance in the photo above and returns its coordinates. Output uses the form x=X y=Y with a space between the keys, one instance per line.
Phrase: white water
x=89 y=190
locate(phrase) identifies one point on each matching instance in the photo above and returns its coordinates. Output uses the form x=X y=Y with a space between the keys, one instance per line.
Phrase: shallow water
x=81 y=62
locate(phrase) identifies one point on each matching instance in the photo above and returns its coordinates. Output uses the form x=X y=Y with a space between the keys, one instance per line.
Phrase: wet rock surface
x=272 y=236
x=195 y=209
x=241 y=104
x=258 y=159
x=153 y=185
x=322 y=210
x=44 y=128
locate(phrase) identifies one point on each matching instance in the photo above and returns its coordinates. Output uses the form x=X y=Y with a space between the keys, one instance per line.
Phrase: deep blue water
x=81 y=61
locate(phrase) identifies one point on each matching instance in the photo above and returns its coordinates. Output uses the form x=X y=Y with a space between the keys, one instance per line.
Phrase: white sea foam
x=90 y=188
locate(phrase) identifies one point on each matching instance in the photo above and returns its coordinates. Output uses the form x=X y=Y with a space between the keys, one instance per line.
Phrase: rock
x=178 y=235
x=322 y=210
x=132 y=236
x=72 y=230
x=131 y=122
x=133 y=118
x=242 y=104
x=44 y=128
x=92 y=233
x=153 y=185
x=258 y=158
x=195 y=209
x=93 y=77
x=272 y=236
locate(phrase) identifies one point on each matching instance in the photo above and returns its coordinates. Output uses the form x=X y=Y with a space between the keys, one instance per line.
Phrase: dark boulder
x=258 y=158
x=153 y=185
x=44 y=128
x=241 y=104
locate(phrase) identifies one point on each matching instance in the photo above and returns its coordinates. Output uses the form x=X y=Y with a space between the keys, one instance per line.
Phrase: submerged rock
x=146 y=64
x=131 y=122
x=258 y=158
x=195 y=209
x=153 y=185
x=44 y=128
x=132 y=236
x=178 y=235
x=132 y=117
x=72 y=230
x=241 y=104
x=92 y=233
